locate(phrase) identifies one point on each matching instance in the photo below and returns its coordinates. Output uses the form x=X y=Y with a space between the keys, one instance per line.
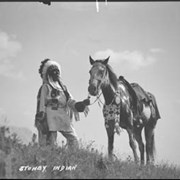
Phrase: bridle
x=97 y=98
x=99 y=94
x=113 y=103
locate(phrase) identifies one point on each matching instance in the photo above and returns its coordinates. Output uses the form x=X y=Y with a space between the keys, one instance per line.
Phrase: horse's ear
x=91 y=60
x=106 y=60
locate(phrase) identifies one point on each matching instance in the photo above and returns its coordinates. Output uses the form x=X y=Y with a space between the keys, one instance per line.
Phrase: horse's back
x=147 y=97
x=140 y=92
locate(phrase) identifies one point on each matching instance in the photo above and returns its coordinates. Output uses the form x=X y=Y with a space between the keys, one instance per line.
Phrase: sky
x=141 y=38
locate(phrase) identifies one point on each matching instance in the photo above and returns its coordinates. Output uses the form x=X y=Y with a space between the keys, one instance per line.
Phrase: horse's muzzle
x=92 y=90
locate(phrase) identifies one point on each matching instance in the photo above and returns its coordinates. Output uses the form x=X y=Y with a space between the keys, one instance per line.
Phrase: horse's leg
x=150 y=143
x=139 y=139
x=110 y=133
x=132 y=144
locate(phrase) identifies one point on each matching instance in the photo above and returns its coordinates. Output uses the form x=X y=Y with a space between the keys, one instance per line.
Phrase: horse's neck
x=108 y=94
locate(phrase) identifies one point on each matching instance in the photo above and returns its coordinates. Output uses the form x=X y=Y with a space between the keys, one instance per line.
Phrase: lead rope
x=97 y=98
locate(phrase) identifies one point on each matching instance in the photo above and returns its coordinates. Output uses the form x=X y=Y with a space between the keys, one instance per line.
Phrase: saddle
x=142 y=95
x=139 y=96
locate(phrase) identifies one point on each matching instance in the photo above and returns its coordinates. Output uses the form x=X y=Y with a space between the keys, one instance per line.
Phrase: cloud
x=132 y=59
x=9 y=48
x=156 y=50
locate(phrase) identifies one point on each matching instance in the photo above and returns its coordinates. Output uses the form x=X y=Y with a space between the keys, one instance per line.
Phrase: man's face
x=54 y=73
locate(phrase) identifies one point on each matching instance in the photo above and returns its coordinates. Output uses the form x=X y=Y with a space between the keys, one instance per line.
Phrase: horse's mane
x=112 y=77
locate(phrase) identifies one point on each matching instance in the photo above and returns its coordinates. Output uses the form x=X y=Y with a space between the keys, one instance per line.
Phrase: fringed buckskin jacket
x=59 y=110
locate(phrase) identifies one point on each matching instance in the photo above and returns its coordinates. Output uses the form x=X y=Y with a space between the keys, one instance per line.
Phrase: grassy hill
x=22 y=133
x=21 y=161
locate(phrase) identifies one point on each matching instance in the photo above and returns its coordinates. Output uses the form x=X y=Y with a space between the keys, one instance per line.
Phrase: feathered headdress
x=43 y=70
x=45 y=64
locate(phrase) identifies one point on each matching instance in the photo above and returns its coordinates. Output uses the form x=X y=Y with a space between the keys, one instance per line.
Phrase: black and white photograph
x=89 y=89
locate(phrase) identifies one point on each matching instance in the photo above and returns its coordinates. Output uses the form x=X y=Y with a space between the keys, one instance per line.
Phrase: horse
x=124 y=107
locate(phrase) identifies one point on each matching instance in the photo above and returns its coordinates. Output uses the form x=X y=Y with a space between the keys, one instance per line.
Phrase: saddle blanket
x=141 y=93
x=147 y=97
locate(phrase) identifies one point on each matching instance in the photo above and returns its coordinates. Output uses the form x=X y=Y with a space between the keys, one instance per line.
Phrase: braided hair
x=42 y=65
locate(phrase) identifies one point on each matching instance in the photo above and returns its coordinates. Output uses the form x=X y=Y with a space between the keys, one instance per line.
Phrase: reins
x=97 y=98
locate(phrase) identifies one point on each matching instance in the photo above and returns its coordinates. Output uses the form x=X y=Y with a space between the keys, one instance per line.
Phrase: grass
x=19 y=161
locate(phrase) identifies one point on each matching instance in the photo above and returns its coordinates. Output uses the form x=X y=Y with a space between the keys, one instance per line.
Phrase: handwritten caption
x=44 y=168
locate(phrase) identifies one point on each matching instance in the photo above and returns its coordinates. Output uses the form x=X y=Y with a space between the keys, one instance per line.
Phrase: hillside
x=33 y=162
x=23 y=134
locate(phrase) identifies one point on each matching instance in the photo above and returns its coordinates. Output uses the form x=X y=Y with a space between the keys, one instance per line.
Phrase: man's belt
x=54 y=104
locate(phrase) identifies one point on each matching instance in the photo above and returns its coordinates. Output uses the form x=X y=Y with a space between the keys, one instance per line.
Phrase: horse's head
x=98 y=75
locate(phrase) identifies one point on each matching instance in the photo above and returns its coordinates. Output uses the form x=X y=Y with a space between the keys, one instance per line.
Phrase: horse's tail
x=150 y=142
x=156 y=114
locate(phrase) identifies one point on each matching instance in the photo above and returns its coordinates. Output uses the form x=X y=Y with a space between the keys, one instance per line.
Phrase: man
x=56 y=107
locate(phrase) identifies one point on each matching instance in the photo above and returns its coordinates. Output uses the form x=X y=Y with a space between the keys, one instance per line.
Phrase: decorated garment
x=54 y=99
x=111 y=112
x=58 y=109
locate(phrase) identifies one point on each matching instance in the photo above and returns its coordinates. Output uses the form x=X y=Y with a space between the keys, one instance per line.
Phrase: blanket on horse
x=139 y=95
x=147 y=97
